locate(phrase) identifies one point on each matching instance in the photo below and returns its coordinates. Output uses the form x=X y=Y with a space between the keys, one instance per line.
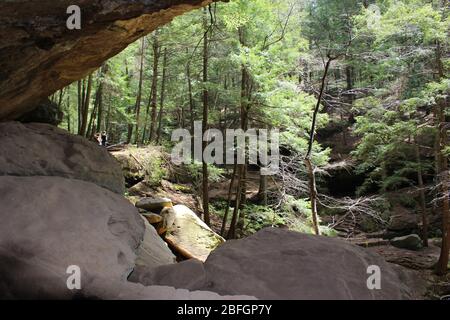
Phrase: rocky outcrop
x=44 y=150
x=40 y=55
x=46 y=228
x=45 y=112
x=154 y=204
x=187 y=234
x=410 y=242
x=280 y=264
x=141 y=167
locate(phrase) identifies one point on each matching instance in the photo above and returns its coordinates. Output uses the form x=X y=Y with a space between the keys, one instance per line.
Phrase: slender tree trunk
x=156 y=51
x=69 y=126
x=60 y=99
x=230 y=194
x=444 y=180
x=237 y=224
x=79 y=106
x=137 y=107
x=163 y=90
x=262 y=194
x=86 y=104
x=422 y=196
x=205 y=177
x=147 y=113
x=105 y=69
x=234 y=220
x=308 y=163
x=442 y=266
x=191 y=107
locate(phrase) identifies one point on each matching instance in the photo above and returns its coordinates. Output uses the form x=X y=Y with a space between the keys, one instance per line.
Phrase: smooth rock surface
x=52 y=230
x=188 y=234
x=153 y=251
x=43 y=150
x=284 y=265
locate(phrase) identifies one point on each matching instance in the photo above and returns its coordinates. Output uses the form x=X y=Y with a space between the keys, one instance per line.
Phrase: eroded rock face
x=44 y=150
x=39 y=55
x=285 y=265
x=51 y=223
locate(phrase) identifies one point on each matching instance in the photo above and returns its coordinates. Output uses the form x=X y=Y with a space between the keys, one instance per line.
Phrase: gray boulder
x=51 y=223
x=410 y=242
x=277 y=264
x=402 y=221
x=153 y=252
x=44 y=150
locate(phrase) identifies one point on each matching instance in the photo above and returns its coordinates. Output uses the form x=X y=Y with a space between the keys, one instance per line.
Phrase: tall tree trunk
x=444 y=180
x=442 y=266
x=237 y=223
x=163 y=90
x=69 y=126
x=234 y=220
x=205 y=177
x=86 y=104
x=105 y=69
x=422 y=195
x=191 y=107
x=308 y=163
x=262 y=193
x=156 y=52
x=230 y=194
x=147 y=113
x=137 y=106
x=79 y=106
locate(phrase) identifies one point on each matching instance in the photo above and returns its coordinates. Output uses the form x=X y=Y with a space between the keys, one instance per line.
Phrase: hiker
x=98 y=138
x=104 y=139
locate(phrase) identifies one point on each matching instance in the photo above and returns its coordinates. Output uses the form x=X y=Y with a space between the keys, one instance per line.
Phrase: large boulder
x=153 y=251
x=402 y=223
x=46 y=228
x=188 y=234
x=410 y=242
x=140 y=166
x=277 y=264
x=44 y=150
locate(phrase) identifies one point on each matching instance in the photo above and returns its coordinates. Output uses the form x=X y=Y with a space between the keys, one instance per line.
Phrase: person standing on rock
x=104 y=139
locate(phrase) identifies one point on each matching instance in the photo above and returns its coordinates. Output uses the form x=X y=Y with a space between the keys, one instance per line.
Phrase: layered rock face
x=39 y=54
x=44 y=150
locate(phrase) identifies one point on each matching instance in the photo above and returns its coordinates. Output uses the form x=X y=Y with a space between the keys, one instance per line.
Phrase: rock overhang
x=40 y=55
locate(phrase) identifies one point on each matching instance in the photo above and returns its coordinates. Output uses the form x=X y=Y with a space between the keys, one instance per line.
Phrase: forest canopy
x=358 y=89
